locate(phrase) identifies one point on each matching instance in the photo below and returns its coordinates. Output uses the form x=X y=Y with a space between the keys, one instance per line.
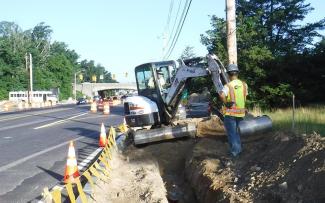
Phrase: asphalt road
x=34 y=146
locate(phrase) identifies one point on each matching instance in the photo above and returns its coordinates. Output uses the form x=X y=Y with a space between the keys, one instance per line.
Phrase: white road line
x=7 y=137
x=94 y=116
x=58 y=122
x=36 y=114
x=86 y=161
x=25 y=124
x=19 y=161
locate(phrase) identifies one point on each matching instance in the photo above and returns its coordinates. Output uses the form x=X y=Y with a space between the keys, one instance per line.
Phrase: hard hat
x=232 y=68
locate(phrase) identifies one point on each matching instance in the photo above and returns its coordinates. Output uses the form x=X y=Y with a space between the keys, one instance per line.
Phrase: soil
x=274 y=167
x=278 y=167
x=134 y=177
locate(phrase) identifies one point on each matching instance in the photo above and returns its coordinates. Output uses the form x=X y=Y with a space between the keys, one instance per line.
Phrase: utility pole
x=27 y=71
x=29 y=68
x=231 y=31
x=31 y=72
x=75 y=87
x=75 y=84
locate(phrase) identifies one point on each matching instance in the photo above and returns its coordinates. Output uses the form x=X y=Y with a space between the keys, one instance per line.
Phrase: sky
x=122 y=34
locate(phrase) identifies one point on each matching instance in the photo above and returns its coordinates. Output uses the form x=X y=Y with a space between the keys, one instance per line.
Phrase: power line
x=177 y=29
x=176 y=17
x=177 y=34
x=166 y=29
x=171 y=6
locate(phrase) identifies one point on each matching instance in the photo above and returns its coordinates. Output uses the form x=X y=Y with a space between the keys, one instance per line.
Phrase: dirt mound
x=272 y=168
x=210 y=127
x=197 y=98
x=134 y=177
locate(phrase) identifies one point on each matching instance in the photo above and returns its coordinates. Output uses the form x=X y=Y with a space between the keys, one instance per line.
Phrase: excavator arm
x=215 y=69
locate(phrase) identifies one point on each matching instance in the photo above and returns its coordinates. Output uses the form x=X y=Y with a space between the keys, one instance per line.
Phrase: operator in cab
x=161 y=81
x=233 y=95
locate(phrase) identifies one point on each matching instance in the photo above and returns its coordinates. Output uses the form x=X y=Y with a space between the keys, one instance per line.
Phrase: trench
x=171 y=157
x=200 y=170
x=151 y=173
x=167 y=171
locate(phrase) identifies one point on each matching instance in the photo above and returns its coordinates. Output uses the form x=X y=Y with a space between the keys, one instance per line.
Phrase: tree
x=188 y=52
x=54 y=64
x=89 y=69
x=279 y=24
x=270 y=39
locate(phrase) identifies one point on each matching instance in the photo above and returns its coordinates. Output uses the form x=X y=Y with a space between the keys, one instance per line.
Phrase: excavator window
x=165 y=72
x=145 y=78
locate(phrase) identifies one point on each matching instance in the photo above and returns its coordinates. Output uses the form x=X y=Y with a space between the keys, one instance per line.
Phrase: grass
x=307 y=119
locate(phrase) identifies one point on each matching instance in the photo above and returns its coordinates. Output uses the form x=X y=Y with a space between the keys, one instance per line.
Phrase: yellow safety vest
x=237 y=95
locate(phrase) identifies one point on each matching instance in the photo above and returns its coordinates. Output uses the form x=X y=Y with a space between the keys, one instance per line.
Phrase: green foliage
x=89 y=69
x=276 y=55
x=80 y=95
x=187 y=53
x=308 y=119
x=54 y=64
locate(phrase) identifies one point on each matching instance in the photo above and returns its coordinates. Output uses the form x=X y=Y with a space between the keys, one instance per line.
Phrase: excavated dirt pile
x=272 y=168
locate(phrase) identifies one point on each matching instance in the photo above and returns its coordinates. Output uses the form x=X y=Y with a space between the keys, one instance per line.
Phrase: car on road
x=198 y=109
x=81 y=101
x=96 y=98
x=124 y=96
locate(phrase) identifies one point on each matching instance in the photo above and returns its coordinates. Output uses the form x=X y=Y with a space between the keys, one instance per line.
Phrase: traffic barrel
x=106 y=108
x=20 y=106
x=93 y=107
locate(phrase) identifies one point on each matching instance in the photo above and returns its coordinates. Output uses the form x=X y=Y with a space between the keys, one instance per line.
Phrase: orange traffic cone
x=71 y=169
x=102 y=136
x=106 y=108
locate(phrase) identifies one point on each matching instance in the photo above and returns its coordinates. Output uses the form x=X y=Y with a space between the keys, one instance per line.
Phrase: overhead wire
x=175 y=21
x=171 y=6
x=166 y=29
x=179 y=28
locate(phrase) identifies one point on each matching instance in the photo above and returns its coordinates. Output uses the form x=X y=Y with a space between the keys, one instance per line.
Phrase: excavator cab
x=153 y=82
x=154 y=79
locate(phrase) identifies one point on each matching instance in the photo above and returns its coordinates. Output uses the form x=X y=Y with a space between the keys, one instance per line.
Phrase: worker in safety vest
x=233 y=96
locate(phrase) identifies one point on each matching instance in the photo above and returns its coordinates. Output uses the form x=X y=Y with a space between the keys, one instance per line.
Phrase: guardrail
x=99 y=169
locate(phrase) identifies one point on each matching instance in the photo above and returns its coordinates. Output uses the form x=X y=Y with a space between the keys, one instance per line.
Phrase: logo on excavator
x=190 y=70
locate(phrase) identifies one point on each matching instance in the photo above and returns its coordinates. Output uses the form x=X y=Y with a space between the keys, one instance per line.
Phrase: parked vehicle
x=96 y=98
x=81 y=101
